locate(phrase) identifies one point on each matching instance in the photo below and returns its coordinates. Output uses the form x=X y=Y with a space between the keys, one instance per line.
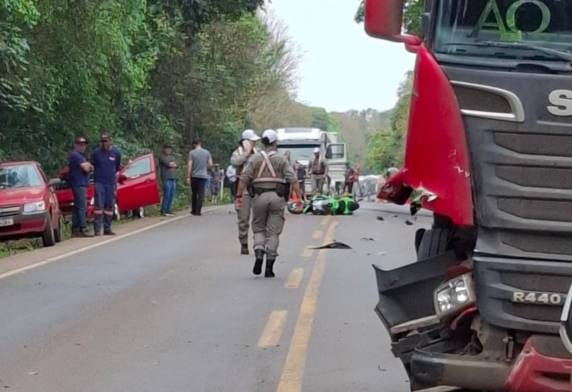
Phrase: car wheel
x=48 y=237
x=434 y=242
x=58 y=230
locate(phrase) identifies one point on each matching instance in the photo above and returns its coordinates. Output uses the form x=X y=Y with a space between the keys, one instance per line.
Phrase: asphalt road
x=175 y=308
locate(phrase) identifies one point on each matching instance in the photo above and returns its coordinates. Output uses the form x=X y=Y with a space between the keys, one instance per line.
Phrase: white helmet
x=317 y=150
x=271 y=135
x=249 y=134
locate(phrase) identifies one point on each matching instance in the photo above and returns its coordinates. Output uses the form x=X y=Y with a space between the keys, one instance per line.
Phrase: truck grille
x=521 y=166
x=497 y=279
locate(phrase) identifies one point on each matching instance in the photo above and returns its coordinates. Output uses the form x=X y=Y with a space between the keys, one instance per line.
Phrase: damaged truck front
x=489 y=152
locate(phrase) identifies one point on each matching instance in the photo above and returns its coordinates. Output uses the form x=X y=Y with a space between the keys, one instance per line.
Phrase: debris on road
x=408 y=222
x=367 y=239
x=334 y=245
x=34 y=373
x=380 y=218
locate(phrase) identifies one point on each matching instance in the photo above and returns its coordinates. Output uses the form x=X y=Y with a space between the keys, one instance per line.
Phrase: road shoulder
x=22 y=262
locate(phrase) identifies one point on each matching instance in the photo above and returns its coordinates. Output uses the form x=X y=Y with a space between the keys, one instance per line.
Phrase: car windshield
x=19 y=176
x=298 y=152
x=539 y=30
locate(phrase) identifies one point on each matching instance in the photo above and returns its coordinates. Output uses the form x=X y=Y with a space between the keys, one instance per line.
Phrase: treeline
x=149 y=71
x=385 y=145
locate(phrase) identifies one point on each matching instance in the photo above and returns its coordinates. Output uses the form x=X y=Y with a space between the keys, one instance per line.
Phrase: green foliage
x=385 y=145
x=149 y=71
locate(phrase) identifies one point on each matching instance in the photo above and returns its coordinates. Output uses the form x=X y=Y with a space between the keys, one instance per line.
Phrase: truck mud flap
x=406 y=293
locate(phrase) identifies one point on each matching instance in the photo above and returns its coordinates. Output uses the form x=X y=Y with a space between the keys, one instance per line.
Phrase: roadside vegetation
x=385 y=144
x=153 y=72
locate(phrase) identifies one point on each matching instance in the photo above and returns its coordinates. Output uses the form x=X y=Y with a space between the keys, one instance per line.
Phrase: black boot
x=259 y=254
x=244 y=249
x=269 y=273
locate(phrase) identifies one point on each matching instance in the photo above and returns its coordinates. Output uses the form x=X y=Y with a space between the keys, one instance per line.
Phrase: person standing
x=106 y=160
x=318 y=173
x=78 y=178
x=239 y=158
x=168 y=167
x=269 y=174
x=351 y=177
x=301 y=175
x=197 y=175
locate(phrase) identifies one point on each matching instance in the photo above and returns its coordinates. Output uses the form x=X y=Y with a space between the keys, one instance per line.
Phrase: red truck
x=486 y=305
x=137 y=188
x=28 y=203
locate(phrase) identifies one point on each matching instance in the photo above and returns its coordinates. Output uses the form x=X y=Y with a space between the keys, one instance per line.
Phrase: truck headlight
x=454 y=295
x=34 y=208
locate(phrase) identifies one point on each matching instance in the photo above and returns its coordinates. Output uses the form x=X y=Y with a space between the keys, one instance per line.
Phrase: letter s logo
x=561 y=101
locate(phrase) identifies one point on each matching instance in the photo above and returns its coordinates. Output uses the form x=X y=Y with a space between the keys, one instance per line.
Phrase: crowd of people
x=260 y=181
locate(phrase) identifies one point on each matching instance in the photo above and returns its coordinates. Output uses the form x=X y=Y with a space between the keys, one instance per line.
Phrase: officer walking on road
x=106 y=160
x=269 y=178
x=239 y=158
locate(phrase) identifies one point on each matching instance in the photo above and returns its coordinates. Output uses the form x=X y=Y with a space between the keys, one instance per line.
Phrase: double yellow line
x=293 y=372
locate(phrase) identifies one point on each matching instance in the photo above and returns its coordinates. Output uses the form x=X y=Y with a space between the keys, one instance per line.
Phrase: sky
x=341 y=67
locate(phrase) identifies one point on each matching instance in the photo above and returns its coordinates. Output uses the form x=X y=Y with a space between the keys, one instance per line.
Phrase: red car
x=28 y=203
x=136 y=188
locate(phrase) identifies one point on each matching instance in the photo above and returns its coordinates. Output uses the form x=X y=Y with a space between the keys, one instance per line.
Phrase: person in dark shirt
x=168 y=168
x=78 y=178
x=197 y=175
x=106 y=160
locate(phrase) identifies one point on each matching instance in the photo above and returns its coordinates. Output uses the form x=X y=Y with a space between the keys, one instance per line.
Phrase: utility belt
x=281 y=189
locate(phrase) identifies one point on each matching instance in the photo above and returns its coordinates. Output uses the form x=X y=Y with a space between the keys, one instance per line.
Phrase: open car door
x=138 y=184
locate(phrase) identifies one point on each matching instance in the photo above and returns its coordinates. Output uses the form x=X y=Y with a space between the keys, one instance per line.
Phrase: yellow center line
x=295 y=278
x=308 y=253
x=326 y=220
x=273 y=329
x=293 y=372
x=317 y=235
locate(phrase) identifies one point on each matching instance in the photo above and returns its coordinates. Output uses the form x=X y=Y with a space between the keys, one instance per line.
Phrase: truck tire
x=48 y=237
x=434 y=242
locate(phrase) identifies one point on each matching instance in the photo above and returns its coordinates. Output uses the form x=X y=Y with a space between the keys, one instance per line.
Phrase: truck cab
x=488 y=152
x=301 y=142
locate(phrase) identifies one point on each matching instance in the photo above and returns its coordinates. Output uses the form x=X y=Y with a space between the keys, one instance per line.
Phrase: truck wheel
x=58 y=231
x=434 y=242
x=48 y=237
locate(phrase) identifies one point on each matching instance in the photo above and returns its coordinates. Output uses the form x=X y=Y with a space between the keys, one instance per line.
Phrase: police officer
x=267 y=175
x=239 y=157
x=318 y=172
x=106 y=160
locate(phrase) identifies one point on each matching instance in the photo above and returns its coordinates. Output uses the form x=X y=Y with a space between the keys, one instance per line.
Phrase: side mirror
x=384 y=19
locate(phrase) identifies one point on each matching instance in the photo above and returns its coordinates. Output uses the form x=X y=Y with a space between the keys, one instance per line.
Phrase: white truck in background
x=301 y=142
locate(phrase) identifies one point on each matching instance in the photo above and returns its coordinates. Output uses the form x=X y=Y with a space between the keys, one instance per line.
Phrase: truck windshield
x=299 y=152
x=539 y=30
x=19 y=176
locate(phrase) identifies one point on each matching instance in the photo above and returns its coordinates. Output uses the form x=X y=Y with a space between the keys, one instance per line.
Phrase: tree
x=385 y=146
